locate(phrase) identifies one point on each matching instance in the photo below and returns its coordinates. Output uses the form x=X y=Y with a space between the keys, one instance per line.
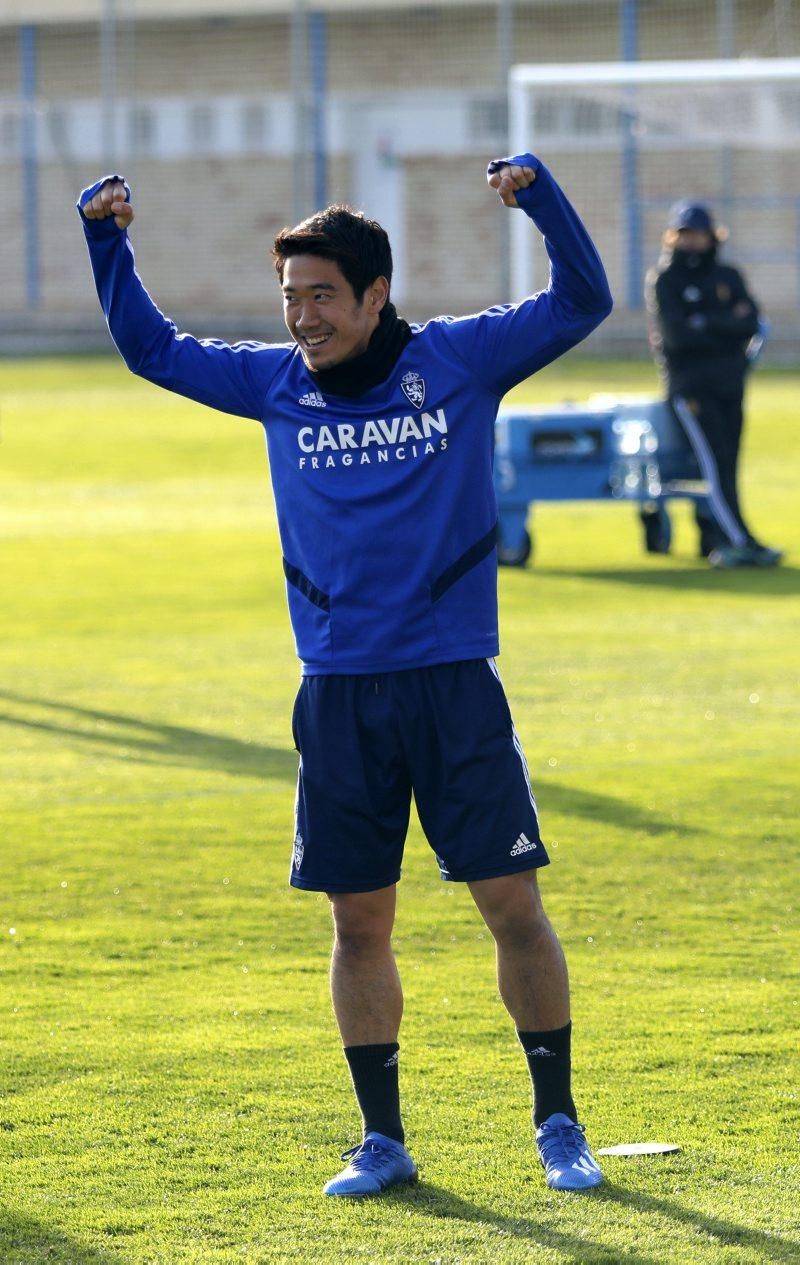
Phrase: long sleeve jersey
x=386 y=504
x=699 y=339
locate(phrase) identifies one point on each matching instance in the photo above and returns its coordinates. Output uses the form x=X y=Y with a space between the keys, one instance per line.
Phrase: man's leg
x=531 y=968
x=365 y=984
x=534 y=985
x=368 y=1004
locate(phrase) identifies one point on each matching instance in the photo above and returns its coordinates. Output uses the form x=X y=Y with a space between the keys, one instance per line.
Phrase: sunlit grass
x=173 y=1085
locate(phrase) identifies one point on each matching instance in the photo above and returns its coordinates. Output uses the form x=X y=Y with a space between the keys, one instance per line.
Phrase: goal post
x=627 y=139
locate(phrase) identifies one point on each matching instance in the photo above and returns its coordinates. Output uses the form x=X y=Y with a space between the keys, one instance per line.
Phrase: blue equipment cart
x=606 y=450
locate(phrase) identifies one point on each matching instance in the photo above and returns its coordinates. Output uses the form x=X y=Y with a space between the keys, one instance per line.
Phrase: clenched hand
x=508 y=180
x=110 y=200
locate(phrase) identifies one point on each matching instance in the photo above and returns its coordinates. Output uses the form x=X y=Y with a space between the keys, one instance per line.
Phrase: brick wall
x=205 y=220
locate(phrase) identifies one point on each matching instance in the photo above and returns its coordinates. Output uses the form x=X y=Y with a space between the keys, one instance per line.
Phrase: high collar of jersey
x=360 y=374
x=693 y=261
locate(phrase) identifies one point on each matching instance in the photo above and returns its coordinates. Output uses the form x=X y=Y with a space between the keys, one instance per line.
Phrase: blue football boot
x=375 y=1164
x=564 y=1152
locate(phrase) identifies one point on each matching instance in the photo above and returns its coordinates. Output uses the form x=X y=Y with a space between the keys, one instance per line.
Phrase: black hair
x=359 y=246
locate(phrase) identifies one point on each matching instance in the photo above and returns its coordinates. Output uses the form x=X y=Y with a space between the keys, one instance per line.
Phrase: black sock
x=375 y=1080
x=549 y=1063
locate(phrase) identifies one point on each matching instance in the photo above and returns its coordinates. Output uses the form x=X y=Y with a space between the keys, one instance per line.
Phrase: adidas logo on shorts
x=312 y=400
x=523 y=844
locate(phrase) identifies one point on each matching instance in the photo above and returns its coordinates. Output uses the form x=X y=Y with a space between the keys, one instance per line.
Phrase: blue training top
x=386 y=503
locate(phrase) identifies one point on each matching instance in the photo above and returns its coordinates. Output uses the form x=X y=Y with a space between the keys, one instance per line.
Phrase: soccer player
x=380 y=438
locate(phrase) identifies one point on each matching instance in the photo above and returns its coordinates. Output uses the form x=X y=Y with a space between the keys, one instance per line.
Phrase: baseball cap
x=686 y=214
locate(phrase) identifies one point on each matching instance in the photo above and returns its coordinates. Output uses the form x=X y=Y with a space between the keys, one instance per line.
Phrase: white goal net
x=627 y=139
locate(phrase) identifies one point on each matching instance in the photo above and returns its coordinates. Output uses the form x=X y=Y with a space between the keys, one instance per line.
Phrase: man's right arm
x=233 y=379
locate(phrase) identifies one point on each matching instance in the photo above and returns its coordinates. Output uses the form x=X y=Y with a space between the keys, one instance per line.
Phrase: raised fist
x=508 y=180
x=110 y=200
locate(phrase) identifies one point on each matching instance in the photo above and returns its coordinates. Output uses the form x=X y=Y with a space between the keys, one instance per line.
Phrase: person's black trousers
x=720 y=417
x=712 y=422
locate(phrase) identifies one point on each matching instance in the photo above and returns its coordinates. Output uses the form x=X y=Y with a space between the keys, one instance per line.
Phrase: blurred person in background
x=702 y=324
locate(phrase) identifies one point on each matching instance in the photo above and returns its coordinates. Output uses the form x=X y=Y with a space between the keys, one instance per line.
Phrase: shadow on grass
x=436 y=1201
x=608 y=808
x=772 y=582
x=147 y=741
x=125 y=736
x=773 y=1247
x=27 y=1242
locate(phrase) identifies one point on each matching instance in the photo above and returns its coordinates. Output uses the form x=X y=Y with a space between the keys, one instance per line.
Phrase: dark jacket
x=698 y=342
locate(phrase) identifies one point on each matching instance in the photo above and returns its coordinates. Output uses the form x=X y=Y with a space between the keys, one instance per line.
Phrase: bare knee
x=512 y=909
x=362 y=921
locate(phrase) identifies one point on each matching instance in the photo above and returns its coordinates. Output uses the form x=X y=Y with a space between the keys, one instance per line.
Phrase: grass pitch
x=172 y=1085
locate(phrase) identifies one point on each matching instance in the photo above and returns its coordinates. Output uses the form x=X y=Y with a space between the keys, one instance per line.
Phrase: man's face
x=322 y=313
x=694 y=240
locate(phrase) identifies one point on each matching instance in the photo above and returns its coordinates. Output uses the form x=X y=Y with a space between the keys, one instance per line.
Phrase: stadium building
x=233 y=118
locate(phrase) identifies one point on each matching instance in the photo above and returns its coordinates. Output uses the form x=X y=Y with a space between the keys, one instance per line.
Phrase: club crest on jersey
x=413 y=388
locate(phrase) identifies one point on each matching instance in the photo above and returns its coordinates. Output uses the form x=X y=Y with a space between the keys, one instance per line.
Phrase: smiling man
x=381 y=438
x=324 y=313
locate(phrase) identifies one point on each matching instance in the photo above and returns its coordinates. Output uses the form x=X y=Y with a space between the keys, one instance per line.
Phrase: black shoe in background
x=729 y=556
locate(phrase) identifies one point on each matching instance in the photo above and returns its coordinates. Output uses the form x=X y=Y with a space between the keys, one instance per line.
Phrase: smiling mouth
x=318 y=340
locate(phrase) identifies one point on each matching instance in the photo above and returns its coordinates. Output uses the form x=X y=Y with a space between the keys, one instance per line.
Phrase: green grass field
x=173 y=1089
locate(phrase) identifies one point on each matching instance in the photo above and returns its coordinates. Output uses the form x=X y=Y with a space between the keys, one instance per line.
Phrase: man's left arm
x=507 y=344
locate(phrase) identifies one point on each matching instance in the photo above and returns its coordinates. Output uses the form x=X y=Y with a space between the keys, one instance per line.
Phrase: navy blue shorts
x=367 y=743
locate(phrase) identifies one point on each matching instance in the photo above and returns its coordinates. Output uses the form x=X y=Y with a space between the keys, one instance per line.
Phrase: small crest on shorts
x=298 y=851
x=413 y=388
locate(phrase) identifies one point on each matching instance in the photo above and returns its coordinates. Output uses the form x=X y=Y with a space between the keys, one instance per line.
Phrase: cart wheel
x=517 y=557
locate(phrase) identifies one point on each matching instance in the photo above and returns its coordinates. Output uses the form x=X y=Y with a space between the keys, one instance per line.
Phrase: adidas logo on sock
x=541 y=1052
x=312 y=400
x=523 y=844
